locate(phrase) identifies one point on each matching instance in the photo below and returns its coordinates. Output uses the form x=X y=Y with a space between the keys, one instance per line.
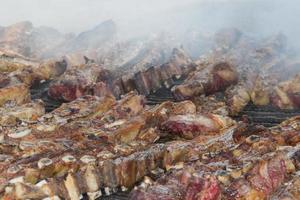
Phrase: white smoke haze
x=139 y=17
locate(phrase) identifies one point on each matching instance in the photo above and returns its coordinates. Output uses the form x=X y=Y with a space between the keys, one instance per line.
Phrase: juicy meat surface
x=207 y=81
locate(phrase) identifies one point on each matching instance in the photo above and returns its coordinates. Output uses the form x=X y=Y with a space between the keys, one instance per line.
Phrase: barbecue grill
x=267 y=116
x=261 y=115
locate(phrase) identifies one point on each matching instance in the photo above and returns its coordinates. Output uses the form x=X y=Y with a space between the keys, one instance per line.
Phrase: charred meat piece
x=121 y=131
x=51 y=69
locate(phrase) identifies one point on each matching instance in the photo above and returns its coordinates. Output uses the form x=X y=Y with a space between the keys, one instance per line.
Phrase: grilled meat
x=10 y=62
x=10 y=116
x=237 y=98
x=97 y=145
x=207 y=81
x=190 y=126
x=211 y=104
x=290 y=190
x=286 y=94
x=67 y=163
x=155 y=77
x=80 y=109
x=249 y=170
x=78 y=81
x=15 y=94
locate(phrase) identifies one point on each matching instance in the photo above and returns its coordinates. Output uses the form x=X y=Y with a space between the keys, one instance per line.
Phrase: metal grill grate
x=267 y=115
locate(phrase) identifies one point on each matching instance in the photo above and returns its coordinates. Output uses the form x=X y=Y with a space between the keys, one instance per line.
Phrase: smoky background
x=143 y=17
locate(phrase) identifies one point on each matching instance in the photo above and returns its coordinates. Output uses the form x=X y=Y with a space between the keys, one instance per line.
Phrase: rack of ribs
x=209 y=80
x=254 y=167
x=92 y=145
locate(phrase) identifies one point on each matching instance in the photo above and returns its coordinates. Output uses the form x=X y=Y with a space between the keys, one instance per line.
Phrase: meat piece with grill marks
x=261 y=91
x=209 y=80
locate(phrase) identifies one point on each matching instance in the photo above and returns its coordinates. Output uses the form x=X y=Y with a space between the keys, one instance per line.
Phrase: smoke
x=138 y=17
x=79 y=15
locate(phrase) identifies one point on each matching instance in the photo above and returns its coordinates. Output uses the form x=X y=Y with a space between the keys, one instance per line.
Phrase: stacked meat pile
x=104 y=138
x=97 y=145
x=94 y=79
